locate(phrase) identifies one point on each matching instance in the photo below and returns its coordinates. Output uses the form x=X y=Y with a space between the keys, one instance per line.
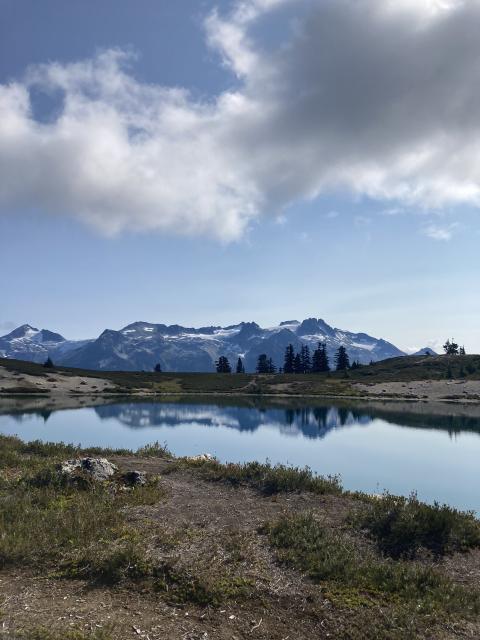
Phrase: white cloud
x=350 y=99
x=440 y=232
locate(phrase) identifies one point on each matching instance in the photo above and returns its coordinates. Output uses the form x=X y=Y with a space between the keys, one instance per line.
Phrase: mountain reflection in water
x=430 y=448
x=311 y=422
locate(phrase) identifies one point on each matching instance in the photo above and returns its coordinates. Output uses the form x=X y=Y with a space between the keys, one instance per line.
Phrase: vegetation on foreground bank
x=203 y=547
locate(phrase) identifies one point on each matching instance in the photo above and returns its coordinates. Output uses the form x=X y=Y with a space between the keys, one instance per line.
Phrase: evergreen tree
x=324 y=361
x=223 y=365
x=240 y=366
x=462 y=351
x=271 y=367
x=262 y=364
x=48 y=364
x=306 y=359
x=158 y=368
x=451 y=348
x=297 y=364
x=316 y=360
x=288 y=365
x=320 y=362
x=342 y=361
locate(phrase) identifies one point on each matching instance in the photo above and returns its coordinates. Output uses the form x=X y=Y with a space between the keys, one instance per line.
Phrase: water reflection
x=313 y=421
x=310 y=422
x=426 y=447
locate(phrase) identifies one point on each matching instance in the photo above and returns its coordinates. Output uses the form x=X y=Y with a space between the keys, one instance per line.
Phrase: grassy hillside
x=421 y=368
x=402 y=369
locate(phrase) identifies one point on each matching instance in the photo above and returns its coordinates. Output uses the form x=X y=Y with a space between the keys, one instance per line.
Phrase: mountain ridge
x=140 y=345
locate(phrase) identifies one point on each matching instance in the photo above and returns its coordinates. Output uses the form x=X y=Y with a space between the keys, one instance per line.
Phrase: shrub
x=332 y=559
x=104 y=563
x=65 y=520
x=14 y=451
x=154 y=450
x=270 y=480
x=184 y=586
x=401 y=526
x=61 y=521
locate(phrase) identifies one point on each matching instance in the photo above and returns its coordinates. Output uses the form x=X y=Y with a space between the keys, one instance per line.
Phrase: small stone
x=135 y=478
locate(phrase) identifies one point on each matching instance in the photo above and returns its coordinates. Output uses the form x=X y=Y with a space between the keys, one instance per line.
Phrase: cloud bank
x=378 y=98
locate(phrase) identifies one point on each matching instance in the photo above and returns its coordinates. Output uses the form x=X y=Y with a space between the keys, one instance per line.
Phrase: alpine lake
x=431 y=449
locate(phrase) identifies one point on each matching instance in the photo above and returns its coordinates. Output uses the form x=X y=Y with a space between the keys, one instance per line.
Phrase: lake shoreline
x=144 y=394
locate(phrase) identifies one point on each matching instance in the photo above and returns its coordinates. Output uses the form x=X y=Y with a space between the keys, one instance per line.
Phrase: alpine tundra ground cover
x=205 y=550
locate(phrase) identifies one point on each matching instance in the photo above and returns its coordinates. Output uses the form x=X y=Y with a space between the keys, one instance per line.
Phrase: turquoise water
x=372 y=449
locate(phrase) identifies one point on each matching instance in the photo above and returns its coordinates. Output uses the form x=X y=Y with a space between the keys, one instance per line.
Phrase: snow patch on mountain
x=369 y=347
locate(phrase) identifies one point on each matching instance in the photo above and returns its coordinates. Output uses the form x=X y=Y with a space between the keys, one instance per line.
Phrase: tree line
x=301 y=362
x=304 y=361
x=451 y=348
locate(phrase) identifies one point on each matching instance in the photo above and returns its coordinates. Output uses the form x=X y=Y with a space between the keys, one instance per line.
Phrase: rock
x=135 y=478
x=99 y=469
x=202 y=457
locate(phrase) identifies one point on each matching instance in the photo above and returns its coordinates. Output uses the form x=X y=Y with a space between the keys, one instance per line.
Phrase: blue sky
x=291 y=230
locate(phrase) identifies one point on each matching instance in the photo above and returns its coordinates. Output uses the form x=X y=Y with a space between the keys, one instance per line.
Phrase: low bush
x=204 y=589
x=270 y=480
x=16 y=453
x=126 y=559
x=154 y=450
x=109 y=562
x=333 y=560
x=401 y=526
x=46 y=520
x=40 y=525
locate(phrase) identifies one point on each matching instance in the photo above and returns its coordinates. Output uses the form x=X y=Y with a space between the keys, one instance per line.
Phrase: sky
x=198 y=162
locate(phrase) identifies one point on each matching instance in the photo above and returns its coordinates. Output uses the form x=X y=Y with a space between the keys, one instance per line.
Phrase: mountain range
x=141 y=345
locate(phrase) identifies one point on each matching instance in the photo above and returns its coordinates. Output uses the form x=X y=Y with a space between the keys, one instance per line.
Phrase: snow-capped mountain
x=141 y=345
x=36 y=345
